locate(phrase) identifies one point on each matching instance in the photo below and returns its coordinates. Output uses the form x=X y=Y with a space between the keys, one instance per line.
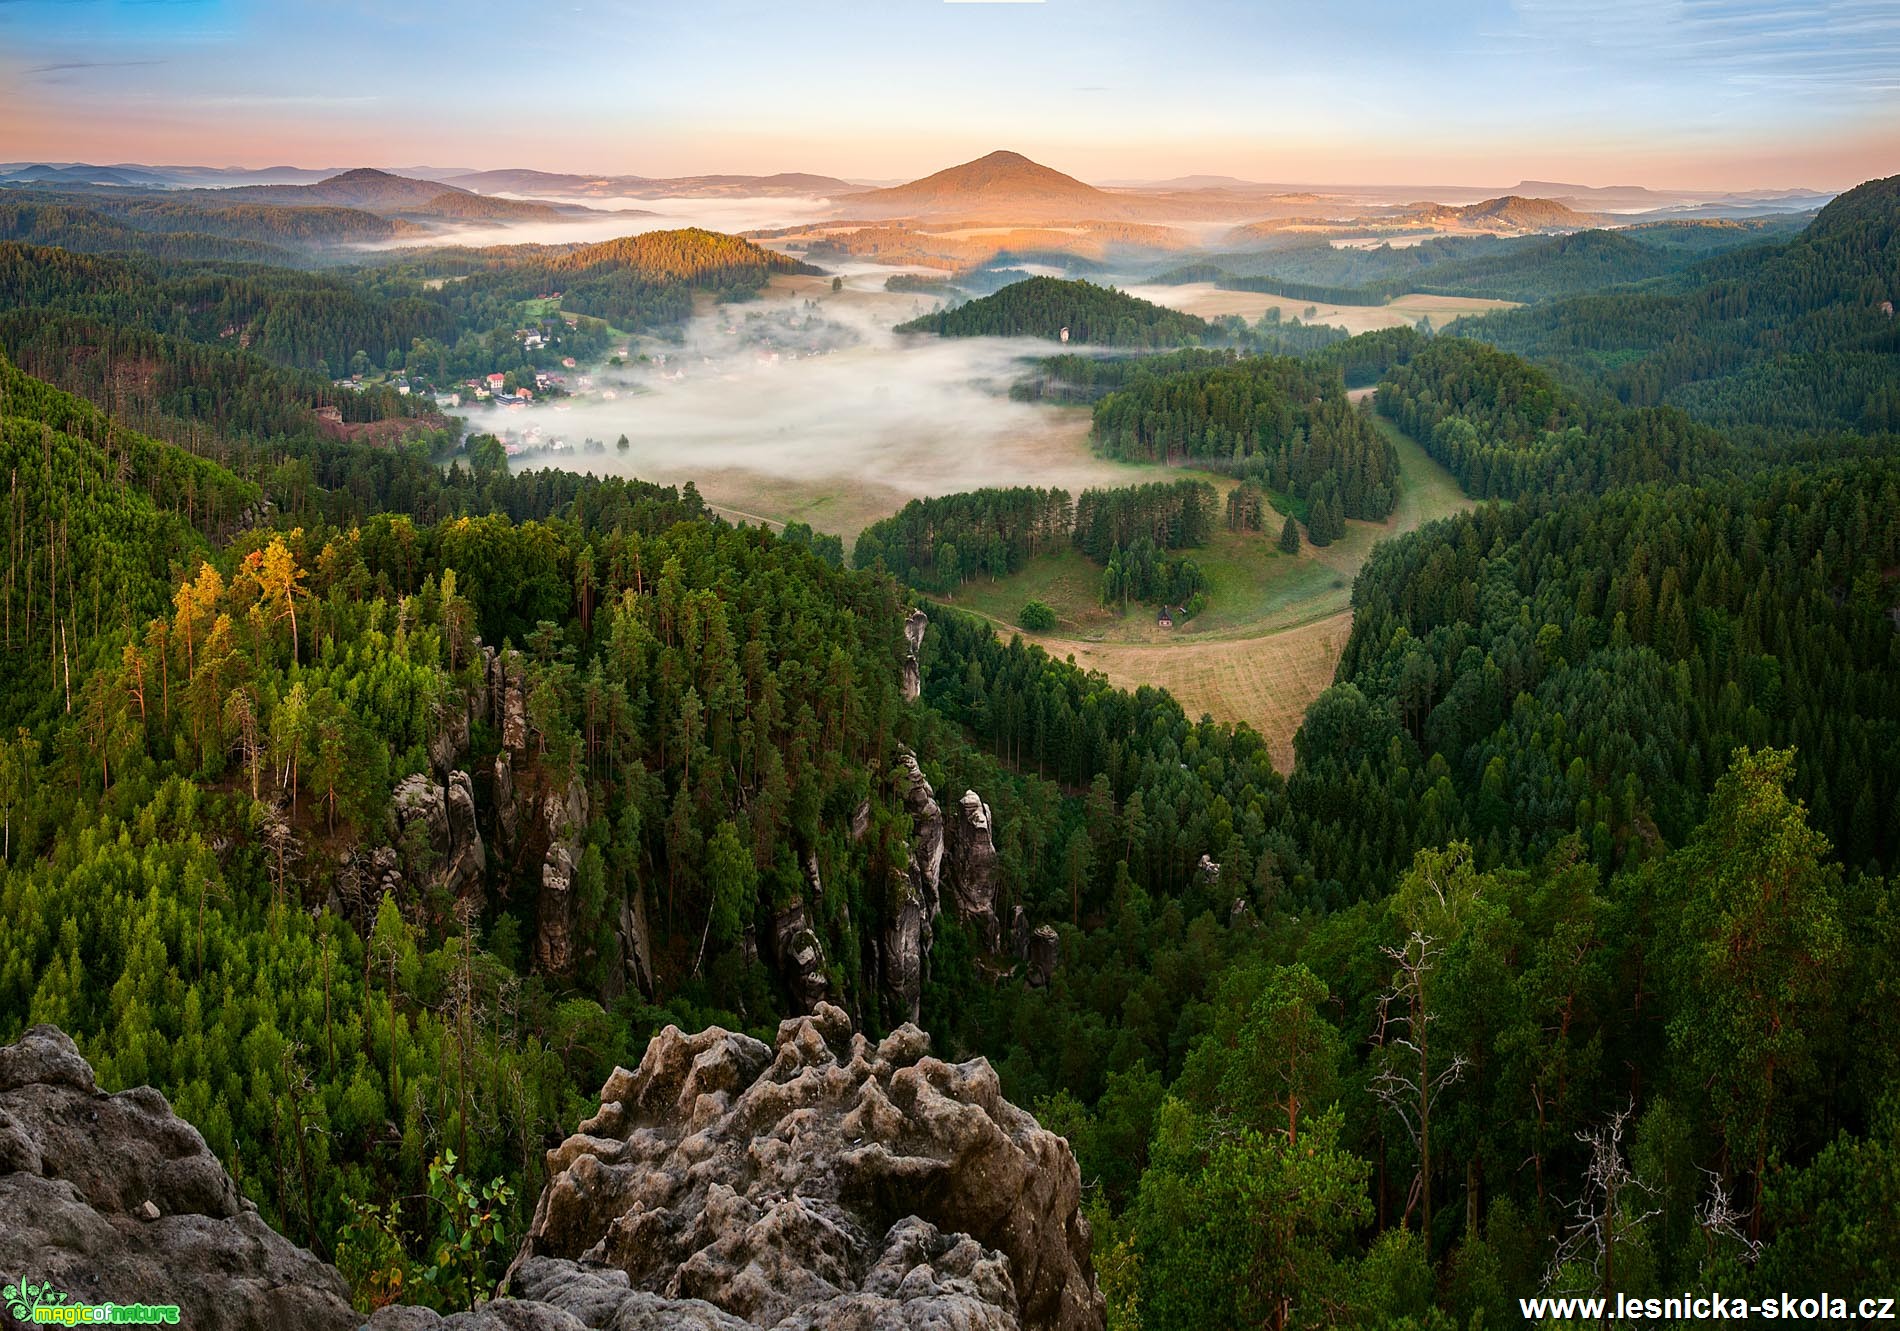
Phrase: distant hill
x=1509 y=212
x=689 y=254
x=390 y=195
x=364 y=187
x=486 y=208
x=169 y=226
x=643 y=281
x=42 y=173
x=1044 y=306
x=30 y=221
x=1003 y=185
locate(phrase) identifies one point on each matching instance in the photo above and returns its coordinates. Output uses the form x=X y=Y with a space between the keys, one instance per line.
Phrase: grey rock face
x=505 y=682
x=435 y=834
x=112 y=1198
x=819 y=1184
x=481 y=703
x=636 y=942
x=507 y=817
x=914 y=628
x=469 y=858
x=565 y=812
x=1045 y=954
x=905 y=946
x=450 y=741
x=800 y=956
x=973 y=871
x=823 y=1182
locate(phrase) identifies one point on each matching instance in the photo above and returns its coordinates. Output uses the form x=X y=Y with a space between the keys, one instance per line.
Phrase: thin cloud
x=61 y=65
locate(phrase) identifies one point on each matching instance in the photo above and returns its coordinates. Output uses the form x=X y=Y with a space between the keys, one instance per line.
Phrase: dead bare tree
x=1406 y=1083
x=1614 y=1202
x=285 y=850
x=1720 y=1220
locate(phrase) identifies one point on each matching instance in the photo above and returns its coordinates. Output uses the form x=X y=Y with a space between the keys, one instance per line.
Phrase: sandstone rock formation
x=636 y=942
x=1045 y=954
x=507 y=817
x=433 y=830
x=914 y=627
x=907 y=934
x=973 y=871
x=1038 y=947
x=564 y=813
x=823 y=1183
x=111 y=1198
x=450 y=740
x=799 y=954
x=506 y=700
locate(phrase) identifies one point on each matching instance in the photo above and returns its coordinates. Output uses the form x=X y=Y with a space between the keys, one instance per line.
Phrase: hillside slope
x=1799 y=335
x=1050 y=307
x=1001 y=184
x=97 y=522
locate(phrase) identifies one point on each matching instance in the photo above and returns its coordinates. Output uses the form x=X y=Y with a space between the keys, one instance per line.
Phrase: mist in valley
x=616 y=217
x=806 y=404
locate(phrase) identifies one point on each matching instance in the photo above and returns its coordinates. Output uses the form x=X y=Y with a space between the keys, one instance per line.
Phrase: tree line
x=1045 y=306
x=1272 y=419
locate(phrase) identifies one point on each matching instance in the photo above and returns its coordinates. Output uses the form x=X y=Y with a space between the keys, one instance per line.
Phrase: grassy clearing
x=1253 y=587
x=1270 y=639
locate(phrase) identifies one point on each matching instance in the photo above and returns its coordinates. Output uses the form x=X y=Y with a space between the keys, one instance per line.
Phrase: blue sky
x=1692 y=93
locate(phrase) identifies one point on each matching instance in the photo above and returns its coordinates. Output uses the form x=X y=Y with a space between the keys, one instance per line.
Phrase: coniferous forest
x=375 y=803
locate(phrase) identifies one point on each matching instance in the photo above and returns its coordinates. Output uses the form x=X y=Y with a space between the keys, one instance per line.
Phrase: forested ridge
x=1272 y=419
x=1602 y=800
x=1046 y=306
x=394 y=317
x=643 y=281
x=1525 y=269
x=1796 y=336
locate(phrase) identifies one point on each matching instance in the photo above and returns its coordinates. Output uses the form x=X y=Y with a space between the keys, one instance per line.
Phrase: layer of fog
x=814 y=391
x=628 y=217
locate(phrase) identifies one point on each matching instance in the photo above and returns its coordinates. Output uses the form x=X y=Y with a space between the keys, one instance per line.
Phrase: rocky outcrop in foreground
x=112 y=1198
x=823 y=1183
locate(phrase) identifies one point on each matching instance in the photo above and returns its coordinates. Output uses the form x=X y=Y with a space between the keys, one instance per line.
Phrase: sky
x=1685 y=94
